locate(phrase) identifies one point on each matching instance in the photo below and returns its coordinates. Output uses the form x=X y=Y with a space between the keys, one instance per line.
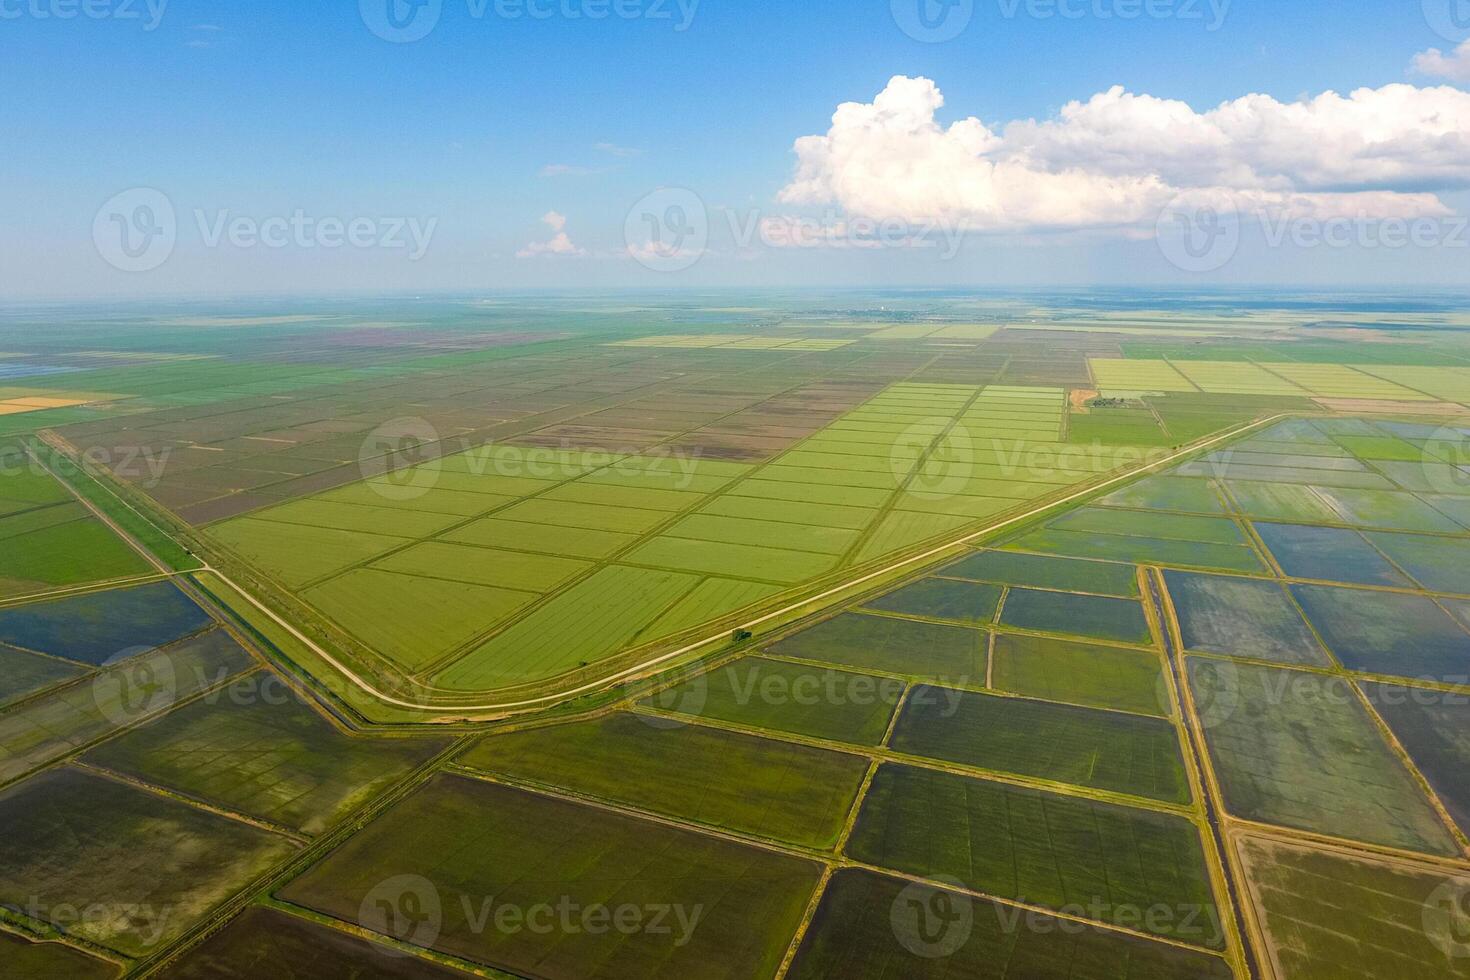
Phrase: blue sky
x=488 y=124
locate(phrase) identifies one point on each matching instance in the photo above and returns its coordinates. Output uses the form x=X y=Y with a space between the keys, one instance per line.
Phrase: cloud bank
x=1118 y=159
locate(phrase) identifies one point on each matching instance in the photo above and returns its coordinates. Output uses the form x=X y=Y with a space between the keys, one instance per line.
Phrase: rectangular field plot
x=297 y=554
x=1095 y=617
x=587 y=622
x=894 y=646
x=478 y=842
x=413 y=621
x=1434 y=728
x=775 y=565
x=514 y=570
x=1046 y=572
x=1438 y=564
x=1387 y=510
x=1441 y=478
x=399 y=522
x=776 y=790
x=95 y=627
x=1242 y=617
x=264 y=942
x=1238 y=468
x=1053 y=742
x=1299 y=750
x=65 y=554
x=1328 y=554
x=1168 y=493
x=1388 y=633
x=276 y=759
x=1282 y=502
x=1118 y=547
x=23 y=674
x=1138 y=375
x=570 y=542
x=787 y=697
x=78 y=840
x=1328 y=915
x=28 y=960
x=971 y=603
x=735 y=530
x=1057 y=851
x=873 y=927
x=1149 y=524
x=1080 y=673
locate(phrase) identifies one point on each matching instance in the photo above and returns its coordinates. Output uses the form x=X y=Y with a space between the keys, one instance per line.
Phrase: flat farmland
x=1065 y=853
x=26 y=959
x=1088 y=674
x=782 y=696
x=1300 y=750
x=1057 y=743
x=98 y=627
x=854 y=935
x=274 y=759
x=267 y=936
x=1434 y=728
x=770 y=789
x=1252 y=618
x=890 y=645
x=149 y=853
x=1330 y=914
x=983 y=765
x=472 y=842
x=403 y=564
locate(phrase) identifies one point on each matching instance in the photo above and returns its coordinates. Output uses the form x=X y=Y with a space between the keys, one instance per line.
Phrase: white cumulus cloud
x=1436 y=64
x=560 y=243
x=1119 y=158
